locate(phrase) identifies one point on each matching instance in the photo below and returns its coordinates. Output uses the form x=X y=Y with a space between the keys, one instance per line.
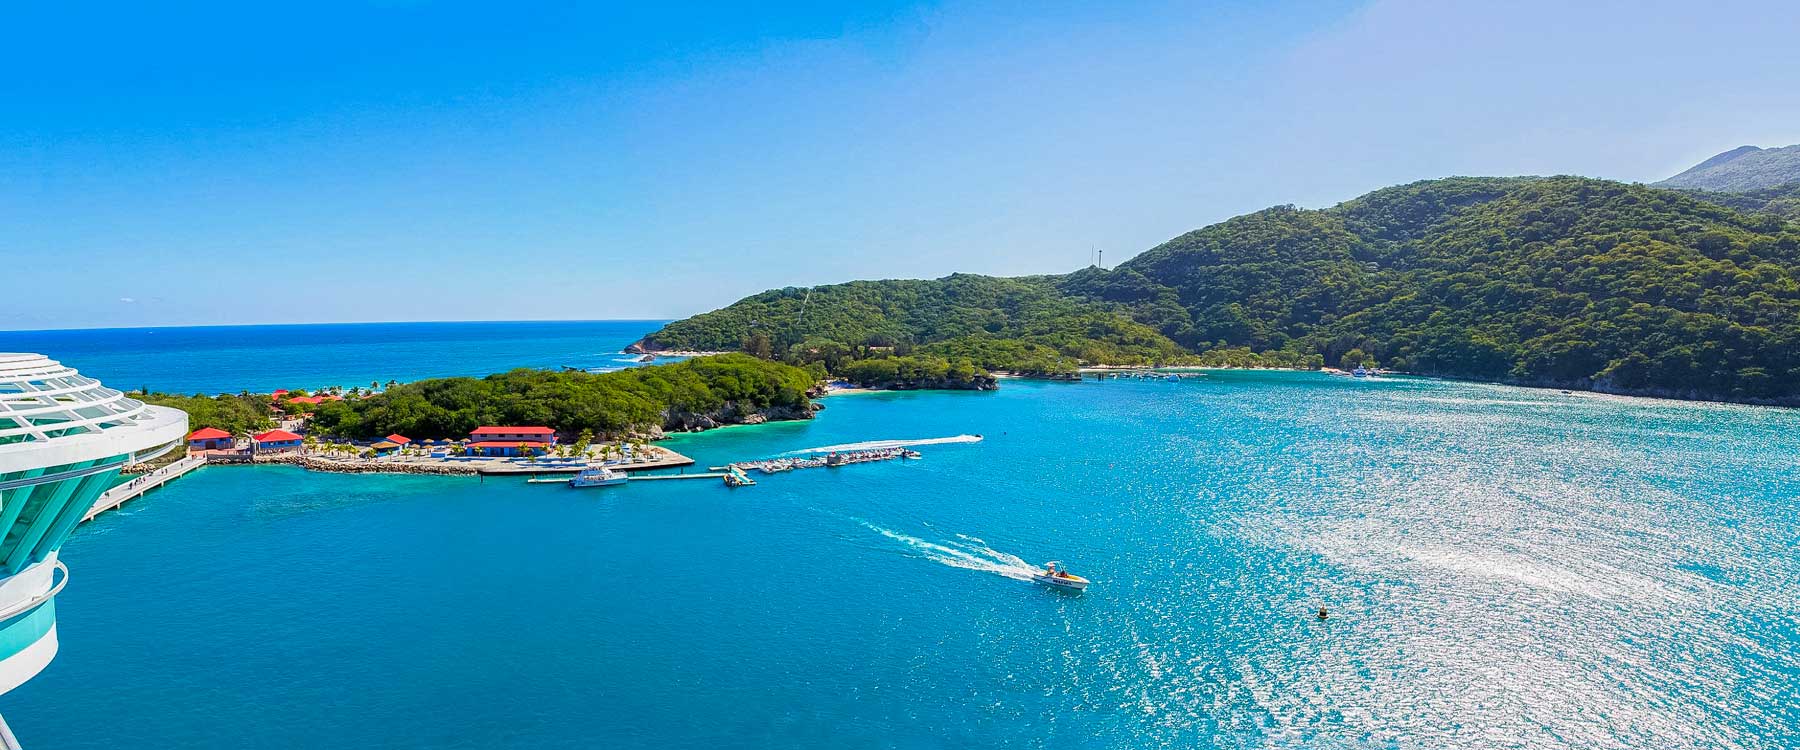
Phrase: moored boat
x=599 y=477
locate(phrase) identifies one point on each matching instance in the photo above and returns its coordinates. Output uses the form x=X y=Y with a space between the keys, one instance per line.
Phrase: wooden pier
x=117 y=496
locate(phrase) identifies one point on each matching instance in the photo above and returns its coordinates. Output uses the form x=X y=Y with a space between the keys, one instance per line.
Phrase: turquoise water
x=1503 y=568
x=227 y=359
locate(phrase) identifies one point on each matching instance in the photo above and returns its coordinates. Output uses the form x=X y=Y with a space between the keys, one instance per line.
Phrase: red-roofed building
x=398 y=439
x=275 y=440
x=210 y=439
x=506 y=441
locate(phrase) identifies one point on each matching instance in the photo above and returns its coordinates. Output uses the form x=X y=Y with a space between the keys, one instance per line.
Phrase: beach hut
x=398 y=439
x=275 y=441
x=385 y=447
x=210 y=439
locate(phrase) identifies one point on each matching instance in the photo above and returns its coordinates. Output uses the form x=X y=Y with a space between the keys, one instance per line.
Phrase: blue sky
x=246 y=163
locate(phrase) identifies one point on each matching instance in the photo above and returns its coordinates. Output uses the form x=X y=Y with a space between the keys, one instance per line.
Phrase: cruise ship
x=63 y=439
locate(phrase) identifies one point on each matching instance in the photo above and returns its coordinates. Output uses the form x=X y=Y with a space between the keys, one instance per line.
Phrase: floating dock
x=816 y=461
x=733 y=477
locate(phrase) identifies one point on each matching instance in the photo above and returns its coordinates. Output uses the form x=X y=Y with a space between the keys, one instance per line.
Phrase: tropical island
x=1565 y=282
x=638 y=403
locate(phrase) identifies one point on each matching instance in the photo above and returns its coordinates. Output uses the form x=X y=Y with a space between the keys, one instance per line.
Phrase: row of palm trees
x=583 y=446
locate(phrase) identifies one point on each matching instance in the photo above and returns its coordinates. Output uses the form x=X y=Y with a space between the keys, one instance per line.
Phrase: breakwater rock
x=365 y=466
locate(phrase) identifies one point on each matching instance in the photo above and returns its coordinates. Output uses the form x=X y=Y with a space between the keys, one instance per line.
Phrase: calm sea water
x=1503 y=568
x=227 y=359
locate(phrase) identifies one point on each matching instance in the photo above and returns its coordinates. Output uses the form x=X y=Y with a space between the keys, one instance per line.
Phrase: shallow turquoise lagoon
x=1502 y=568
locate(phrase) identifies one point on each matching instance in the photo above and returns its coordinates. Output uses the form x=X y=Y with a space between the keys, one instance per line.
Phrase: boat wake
x=968 y=553
x=879 y=444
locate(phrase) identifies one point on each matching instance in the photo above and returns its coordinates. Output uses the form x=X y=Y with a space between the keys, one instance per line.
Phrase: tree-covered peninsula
x=694 y=394
x=1560 y=281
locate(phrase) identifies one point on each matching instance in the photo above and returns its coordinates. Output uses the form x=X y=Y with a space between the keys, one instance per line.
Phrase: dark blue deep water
x=227 y=359
x=1503 y=568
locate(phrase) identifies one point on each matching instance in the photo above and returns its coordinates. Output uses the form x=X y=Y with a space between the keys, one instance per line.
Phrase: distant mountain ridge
x=1551 y=281
x=1741 y=169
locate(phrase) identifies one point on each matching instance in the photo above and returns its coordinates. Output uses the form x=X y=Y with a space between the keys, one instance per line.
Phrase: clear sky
x=192 y=163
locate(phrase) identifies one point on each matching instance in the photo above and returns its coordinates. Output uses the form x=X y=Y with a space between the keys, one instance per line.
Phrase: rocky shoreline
x=730 y=415
x=362 y=466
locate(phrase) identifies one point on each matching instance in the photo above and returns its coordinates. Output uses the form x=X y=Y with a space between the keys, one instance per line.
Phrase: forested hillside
x=1781 y=202
x=1018 y=324
x=1564 y=281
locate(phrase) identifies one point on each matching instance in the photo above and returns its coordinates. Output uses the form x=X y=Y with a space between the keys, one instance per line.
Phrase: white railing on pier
x=117 y=496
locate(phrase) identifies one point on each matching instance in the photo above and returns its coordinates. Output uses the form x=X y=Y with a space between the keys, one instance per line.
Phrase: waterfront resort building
x=390 y=444
x=210 y=439
x=511 y=441
x=63 y=439
x=275 y=441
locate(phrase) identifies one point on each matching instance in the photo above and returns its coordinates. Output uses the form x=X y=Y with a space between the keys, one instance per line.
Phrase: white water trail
x=878 y=444
x=969 y=554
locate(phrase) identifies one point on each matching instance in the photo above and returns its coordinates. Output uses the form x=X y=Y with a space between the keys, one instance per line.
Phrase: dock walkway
x=117 y=496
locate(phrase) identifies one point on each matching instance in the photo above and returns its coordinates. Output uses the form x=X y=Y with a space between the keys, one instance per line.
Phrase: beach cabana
x=210 y=439
x=385 y=446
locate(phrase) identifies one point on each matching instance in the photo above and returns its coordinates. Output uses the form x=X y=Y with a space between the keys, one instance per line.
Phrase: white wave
x=878 y=444
x=970 y=554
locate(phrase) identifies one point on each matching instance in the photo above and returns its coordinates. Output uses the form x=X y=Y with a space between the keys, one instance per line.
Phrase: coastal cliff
x=975 y=382
x=731 y=414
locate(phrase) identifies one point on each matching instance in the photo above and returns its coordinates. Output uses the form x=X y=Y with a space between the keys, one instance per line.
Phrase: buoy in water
x=1322 y=614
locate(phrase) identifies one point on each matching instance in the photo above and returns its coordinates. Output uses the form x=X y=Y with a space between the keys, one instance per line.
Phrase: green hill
x=1019 y=323
x=1781 y=202
x=1559 y=281
x=1740 y=169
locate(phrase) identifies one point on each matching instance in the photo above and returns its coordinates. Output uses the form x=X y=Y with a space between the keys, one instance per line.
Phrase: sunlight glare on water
x=1502 y=568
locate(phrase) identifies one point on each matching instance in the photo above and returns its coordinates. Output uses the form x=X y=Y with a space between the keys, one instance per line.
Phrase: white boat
x=600 y=477
x=1059 y=578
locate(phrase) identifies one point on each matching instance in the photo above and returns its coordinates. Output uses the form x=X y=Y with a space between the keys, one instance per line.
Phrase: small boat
x=1059 y=578
x=1359 y=372
x=647 y=358
x=601 y=477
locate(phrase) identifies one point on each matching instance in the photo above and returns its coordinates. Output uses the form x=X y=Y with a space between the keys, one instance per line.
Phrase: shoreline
x=682 y=353
x=667 y=459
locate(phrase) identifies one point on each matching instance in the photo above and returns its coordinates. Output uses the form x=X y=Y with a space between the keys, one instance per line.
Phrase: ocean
x=1501 y=567
x=228 y=359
